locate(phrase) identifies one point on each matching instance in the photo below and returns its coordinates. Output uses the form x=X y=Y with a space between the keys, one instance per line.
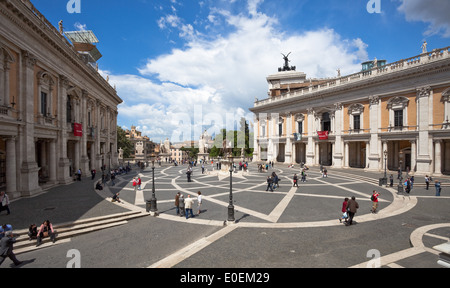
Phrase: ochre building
x=386 y=116
x=57 y=113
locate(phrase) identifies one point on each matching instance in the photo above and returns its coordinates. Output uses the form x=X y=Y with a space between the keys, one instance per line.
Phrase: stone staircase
x=69 y=230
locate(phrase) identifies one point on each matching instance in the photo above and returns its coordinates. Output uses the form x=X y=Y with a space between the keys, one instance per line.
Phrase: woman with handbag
x=46 y=230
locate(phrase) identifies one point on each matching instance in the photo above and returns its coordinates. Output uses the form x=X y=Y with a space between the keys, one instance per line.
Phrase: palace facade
x=57 y=113
x=393 y=116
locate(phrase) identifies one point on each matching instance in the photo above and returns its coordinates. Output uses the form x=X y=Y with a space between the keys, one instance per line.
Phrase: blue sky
x=193 y=65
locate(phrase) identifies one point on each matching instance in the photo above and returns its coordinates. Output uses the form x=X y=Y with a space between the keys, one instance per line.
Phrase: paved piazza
x=296 y=227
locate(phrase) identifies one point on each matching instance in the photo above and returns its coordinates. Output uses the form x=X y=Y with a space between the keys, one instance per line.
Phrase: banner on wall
x=323 y=135
x=78 y=130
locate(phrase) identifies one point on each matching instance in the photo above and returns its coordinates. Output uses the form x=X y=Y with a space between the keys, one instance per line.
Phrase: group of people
x=273 y=182
x=184 y=205
x=437 y=184
x=7 y=239
x=351 y=206
x=349 y=209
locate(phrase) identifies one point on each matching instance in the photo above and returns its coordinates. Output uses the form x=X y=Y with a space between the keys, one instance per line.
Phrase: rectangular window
x=398 y=118
x=68 y=110
x=263 y=131
x=356 y=122
x=300 y=127
x=44 y=103
x=280 y=129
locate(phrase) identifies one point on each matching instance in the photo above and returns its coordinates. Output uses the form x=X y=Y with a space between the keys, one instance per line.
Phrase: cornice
x=424 y=70
x=22 y=16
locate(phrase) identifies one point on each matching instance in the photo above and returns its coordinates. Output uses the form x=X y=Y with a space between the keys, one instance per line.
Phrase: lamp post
x=400 y=184
x=153 y=205
x=385 y=167
x=231 y=206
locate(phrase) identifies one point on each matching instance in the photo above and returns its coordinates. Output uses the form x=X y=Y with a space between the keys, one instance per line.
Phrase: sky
x=182 y=67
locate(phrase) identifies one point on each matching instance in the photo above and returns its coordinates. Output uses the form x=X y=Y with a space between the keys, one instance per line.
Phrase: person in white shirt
x=188 y=202
x=199 y=200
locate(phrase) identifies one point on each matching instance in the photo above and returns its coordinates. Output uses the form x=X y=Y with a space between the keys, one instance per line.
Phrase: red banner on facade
x=78 y=129
x=323 y=135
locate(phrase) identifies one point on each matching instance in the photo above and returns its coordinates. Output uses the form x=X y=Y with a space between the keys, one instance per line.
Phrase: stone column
x=84 y=157
x=311 y=145
x=367 y=154
x=437 y=158
x=29 y=180
x=52 y=161
x=288 y=147
x=63 y=171
x=346 y=156
x=338 y=127
x=423 y=119
x=413 y=155
x=375 y=118
x=11 y=177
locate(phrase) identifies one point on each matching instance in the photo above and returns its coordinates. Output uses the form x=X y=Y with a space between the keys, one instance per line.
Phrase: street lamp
x=231 y=206
x=400 y=184
x=385 y=166
x=153 y=206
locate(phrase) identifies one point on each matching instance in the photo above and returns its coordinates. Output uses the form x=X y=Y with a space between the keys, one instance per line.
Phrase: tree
x=124 y=143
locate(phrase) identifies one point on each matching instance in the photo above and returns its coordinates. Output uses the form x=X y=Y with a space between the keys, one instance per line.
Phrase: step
x=69 y=230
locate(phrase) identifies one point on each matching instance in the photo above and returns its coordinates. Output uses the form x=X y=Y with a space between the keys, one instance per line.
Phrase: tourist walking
x=437 y=185
x=352 y=208
x=188 y=202
x=134 y=184
x=139 y=183
x=344 y=211
x=275 y=180
x=181 y=205
x=427 y=181
x=6 y=248
x=374 y=200
x=391 y=178
x=177 y=203
x=303 y=175
x=188 y=173
x=79 y=174
x=295 y=180
x=199 y=202
x=269 y=184
x=4 y=200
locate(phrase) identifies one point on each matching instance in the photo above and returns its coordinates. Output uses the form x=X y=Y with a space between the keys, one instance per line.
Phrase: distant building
x=57 y=113
x=143 y=146
x=393 y=115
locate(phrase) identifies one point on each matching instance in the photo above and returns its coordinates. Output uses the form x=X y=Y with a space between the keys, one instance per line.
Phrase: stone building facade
x=57 y=113
x=394 y=115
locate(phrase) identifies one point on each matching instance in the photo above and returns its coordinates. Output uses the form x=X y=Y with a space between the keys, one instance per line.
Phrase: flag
x=323 y=135
x=78 y=129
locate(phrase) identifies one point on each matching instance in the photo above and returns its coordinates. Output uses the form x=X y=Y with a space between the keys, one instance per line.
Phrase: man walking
x=352 y=207
x=269 y=184
x=6 y=248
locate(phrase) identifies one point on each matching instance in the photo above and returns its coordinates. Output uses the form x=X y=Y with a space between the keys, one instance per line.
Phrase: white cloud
x=225 y=74
x=435 y=12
